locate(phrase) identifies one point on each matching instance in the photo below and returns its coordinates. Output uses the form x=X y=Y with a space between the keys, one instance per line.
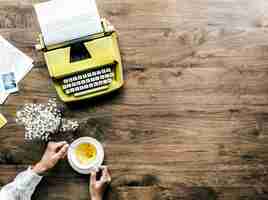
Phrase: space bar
x=91 y=91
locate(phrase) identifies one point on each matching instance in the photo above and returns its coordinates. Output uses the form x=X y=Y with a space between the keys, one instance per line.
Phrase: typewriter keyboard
x=89 y=81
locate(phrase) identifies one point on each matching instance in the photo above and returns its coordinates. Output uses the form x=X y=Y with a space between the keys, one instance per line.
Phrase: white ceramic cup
x=92 y=166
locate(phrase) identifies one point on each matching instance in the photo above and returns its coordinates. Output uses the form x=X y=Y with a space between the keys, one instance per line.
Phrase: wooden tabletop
x=192 y=120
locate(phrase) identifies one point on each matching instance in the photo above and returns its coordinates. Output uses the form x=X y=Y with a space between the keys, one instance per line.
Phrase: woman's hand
x=54 y=152
x=98 y=187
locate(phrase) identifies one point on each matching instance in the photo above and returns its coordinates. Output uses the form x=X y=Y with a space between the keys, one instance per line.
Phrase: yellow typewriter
x=86 y=67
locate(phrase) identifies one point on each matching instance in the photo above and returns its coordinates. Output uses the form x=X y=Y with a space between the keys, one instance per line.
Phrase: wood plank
x=191 y=121
x=154 y=14
x=130 y=186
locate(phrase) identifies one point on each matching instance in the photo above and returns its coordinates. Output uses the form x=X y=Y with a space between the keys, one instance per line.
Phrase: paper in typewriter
x=65 y=20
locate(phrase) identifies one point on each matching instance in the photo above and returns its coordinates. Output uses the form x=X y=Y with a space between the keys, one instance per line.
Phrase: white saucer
x=94 y=165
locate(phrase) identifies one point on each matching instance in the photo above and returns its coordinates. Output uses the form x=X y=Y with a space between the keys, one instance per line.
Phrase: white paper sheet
x=13 y=60
x=65 y=20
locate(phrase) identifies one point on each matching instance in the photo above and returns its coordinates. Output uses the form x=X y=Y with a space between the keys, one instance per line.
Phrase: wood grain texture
x=192 y=120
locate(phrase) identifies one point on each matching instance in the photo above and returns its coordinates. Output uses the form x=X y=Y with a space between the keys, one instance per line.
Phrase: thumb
x=93 y=178
x=59 y=145
x=61 y=153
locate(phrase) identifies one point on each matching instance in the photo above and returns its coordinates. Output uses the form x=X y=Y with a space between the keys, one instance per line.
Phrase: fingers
x=93 y=177
x=106 y=177
x=59 y=144
x=54 y=146
x=65 y=155
x=62 y=152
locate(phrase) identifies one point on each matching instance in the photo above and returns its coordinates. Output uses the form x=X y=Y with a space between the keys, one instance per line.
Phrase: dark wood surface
x=192 y=120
